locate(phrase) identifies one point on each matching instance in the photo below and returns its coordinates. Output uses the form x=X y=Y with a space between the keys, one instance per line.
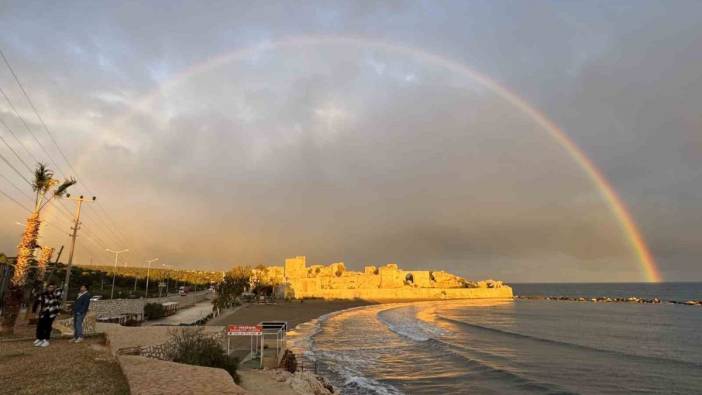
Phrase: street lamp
x=112 y=293
x=148 y=270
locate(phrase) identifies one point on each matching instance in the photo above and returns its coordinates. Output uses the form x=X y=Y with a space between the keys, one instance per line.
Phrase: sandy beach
x=292 y=312
x=265 y=382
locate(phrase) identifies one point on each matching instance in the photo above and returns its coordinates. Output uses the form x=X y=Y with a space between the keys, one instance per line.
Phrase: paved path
x=185 y=316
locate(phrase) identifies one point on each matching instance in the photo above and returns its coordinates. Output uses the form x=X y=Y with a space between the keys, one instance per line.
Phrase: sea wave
x=403 y=321
x=301 y=339
x=348 y=368
x=567 y=344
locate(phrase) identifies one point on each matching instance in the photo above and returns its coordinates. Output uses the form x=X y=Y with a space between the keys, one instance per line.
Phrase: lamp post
x=148 y=270
x=112 y=293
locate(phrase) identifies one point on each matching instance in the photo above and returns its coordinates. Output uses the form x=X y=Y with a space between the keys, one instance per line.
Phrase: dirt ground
x=61 y=368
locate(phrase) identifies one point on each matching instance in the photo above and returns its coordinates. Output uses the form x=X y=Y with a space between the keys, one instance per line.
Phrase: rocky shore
x=604 y=299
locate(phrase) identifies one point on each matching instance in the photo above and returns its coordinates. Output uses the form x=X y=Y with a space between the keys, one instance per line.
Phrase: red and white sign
x=244 y=330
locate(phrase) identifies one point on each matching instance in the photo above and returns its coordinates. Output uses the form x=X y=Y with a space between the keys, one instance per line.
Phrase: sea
x=519 y=346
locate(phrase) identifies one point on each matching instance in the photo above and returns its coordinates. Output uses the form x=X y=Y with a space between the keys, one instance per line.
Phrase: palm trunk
x=15 y=294
x=11 y=309
x=25 y=250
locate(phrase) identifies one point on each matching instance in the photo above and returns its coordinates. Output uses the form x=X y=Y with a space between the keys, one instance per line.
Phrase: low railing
x=312 y=365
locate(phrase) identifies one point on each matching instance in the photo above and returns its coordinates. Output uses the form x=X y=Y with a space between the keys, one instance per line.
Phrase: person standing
x=49 y=306
x=80 y=309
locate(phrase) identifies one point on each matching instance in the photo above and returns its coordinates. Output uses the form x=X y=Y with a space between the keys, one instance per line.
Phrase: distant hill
x=188 y=276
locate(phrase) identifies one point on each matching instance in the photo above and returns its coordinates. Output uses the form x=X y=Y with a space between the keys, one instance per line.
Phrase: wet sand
x=293 y=312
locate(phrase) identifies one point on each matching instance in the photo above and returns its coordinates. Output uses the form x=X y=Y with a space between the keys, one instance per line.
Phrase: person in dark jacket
x=80 y=309
x=49 y=306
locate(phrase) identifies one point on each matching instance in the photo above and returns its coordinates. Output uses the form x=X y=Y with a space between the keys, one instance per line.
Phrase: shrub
x=192 y=347
x=154 y=310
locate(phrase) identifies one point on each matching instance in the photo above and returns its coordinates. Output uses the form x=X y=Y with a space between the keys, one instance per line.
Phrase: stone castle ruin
x=389 y=282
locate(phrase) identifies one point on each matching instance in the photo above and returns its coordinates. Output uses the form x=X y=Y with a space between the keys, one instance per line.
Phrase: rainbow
x=617 y=207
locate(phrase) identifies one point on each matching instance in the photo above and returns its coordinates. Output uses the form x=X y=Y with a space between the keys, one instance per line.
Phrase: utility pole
x=76 y=225
x=114 y=272
x=148 y=269
x=167 y=275
x=136 y=278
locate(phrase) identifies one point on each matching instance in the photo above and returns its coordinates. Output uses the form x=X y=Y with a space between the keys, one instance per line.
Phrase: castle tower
x=295 y=267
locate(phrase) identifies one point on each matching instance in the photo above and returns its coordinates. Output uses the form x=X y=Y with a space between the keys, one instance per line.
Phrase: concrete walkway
x=185 y=316
x=154 y=377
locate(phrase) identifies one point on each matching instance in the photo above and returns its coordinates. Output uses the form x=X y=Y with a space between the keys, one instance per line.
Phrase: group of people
x=48 y=305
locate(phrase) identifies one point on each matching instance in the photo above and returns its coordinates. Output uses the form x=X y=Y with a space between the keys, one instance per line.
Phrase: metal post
x=114 y=273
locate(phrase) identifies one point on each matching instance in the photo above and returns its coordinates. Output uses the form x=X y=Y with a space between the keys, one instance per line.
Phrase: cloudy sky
x=224 y=133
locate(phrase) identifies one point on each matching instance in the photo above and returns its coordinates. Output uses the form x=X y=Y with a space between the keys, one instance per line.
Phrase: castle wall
x=408 y=293
x=387 y=282
x=391 y=276
x=421 y=279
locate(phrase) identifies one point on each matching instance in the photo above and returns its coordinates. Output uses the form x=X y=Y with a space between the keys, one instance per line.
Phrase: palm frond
x=42 y=178
x=61 y=190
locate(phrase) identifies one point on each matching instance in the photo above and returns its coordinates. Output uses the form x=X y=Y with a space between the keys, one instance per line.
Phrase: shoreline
x=268 y=381
x=298 y=315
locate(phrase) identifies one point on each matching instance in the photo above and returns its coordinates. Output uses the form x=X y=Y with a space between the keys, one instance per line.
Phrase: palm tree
x=46 y=189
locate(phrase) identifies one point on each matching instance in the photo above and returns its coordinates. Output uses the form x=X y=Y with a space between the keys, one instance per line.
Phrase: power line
x=61 y=208
x=14 y=200
x=24 y=122
x=63 y=218
x=10 y=147
x=16 y=187
x=19 y=173
x=51 y=136
x=11 y=131
x=109 y=223
x=115 y=236
x=52 y=225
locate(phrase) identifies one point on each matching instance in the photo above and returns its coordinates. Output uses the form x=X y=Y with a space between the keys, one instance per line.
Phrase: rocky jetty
x=604 y=299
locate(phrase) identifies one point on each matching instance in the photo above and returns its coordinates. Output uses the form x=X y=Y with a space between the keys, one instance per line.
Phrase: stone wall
x=408 y=293
x=387 y=282
x=391 y=276
x=117 y=307
x=65 y=325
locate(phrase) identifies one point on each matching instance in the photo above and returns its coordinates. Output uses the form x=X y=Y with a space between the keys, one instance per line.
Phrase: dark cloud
x=342 y=152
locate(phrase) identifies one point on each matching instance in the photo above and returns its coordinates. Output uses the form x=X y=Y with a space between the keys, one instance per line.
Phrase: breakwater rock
x=605 y=299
